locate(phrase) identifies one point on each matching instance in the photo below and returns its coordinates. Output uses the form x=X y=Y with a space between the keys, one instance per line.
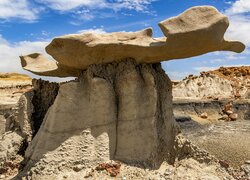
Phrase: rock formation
x=120 y=105
x=197 y=31
x=225 y=82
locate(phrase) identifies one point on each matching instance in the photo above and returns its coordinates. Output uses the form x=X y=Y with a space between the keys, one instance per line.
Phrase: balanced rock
x=197 y=31
x=120 y=105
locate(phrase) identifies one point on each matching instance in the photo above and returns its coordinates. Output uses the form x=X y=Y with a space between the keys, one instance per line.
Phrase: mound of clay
x=225 y=82
x=197 y=31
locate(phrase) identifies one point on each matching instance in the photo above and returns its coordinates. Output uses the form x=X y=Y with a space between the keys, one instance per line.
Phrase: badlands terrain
x=211 y=110
x=122 y=117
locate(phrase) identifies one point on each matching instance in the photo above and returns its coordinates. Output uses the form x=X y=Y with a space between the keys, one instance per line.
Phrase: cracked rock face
x=115 y=111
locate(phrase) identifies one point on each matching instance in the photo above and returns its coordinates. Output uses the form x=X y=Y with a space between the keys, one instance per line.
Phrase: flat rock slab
x=197 y=31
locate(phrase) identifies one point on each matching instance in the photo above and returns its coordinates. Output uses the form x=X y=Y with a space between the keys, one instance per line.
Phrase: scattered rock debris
x=113 y=168
x=227 y=113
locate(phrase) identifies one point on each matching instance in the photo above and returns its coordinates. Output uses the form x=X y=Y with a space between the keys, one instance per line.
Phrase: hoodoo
x=120 y=105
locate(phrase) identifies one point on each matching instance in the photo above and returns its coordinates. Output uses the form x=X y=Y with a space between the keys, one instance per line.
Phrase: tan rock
x=204 y=115
x=237 y=95
x=197 y=31
x=229 y=112
x=39 y=65
x=228 y=107
x=224 y=117
x=233 y=116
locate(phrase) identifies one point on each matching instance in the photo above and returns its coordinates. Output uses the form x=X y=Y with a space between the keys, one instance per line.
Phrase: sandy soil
x=226 y=140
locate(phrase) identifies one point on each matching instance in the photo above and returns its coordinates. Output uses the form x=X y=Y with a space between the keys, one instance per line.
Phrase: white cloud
x=67 y=5
x=176 y=75
x=239 y=21
x=205 y=68
x=138 y=5
x=24 y=9
x=239 y=6
x=96 y=31
x=9 y=54
x=239 y=28
x=20 y=9
x=209 y=68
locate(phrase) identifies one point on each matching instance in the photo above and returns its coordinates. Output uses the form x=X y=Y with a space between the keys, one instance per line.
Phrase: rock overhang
x=196 y=31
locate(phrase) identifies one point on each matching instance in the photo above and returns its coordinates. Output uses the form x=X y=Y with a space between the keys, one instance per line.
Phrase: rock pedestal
x=121 y=106
x=115 y=111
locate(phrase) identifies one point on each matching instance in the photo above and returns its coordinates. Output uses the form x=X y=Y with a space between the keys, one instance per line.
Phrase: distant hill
x=225 y=82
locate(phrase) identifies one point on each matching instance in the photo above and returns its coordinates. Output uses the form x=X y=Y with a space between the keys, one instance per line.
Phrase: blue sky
x=27 y=26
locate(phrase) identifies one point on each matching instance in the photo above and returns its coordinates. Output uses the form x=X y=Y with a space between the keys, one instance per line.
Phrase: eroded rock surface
x=197 y=31
x=225 y=82
x=115 y=111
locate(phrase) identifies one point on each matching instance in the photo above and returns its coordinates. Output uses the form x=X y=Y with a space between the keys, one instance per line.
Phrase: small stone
x=237 y=95
x=224 y=163
x=228 y=107
x=199 y=83
x=224 y=117
x=247 y=162
x=204 y=115
x=229 y=112
x=246 y=168
x=78 y=168
x=233 y=116
x=65 y=176
x=2 y=176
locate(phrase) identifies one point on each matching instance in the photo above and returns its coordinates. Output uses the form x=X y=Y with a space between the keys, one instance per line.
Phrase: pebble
x=204 y=115
x=2 y=176
x=247 y=162
x=233 y=116
x=229 y=112
x=224 y=117
x=78 y=168
x=224 y=163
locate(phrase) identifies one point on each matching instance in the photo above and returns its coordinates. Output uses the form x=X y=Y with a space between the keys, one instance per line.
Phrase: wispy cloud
x=20 y=9
x=96 y=31
x=10 y=53
x=67 y=5
x=83 y=9
x=176 y=75
x=209 y=68
x=239 y=17
x=239 y=28
x=239 y=7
